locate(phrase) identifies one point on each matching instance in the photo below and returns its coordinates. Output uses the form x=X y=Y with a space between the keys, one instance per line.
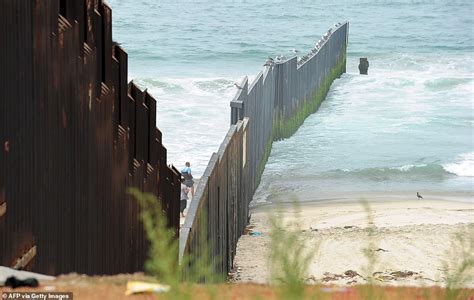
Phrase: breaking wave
x=464 y=167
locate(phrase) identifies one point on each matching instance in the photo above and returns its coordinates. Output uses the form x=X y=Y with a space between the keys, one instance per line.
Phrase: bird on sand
x=237 y=85
x=418 y=195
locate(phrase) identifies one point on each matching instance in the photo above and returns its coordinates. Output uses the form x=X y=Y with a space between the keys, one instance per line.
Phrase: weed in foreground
x=369 y=291
x=289 y=257
x=162 y=261
x=459 y=269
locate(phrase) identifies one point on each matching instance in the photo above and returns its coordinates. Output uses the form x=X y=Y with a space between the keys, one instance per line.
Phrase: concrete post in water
x=363 y=66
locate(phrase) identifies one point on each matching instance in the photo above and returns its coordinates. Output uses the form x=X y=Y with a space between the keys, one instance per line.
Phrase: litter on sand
x=256 y=233
x=136 y=287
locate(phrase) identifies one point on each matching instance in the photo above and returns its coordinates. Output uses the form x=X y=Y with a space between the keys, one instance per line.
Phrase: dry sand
x=412 y=240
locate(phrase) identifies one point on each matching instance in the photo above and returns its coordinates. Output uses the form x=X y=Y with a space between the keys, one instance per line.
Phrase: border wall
x=74 y=135
x=270 y=108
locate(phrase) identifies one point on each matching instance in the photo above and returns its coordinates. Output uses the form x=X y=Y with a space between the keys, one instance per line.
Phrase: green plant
x=289 y=257
x=368 y=290
x=162 y=261
x=459 y=269
x=201 y=268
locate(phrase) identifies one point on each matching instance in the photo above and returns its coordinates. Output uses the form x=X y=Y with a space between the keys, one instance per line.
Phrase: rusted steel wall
x=74 y=135
x=270 y=108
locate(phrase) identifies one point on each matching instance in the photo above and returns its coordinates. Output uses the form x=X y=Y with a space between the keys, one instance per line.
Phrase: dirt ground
x=113 y=287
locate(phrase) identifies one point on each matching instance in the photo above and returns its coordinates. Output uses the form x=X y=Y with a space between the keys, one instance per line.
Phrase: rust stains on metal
x=79 y=140
x=64 y=118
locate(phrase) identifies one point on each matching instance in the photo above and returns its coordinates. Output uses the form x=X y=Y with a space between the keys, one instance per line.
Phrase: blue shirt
x=186 y=170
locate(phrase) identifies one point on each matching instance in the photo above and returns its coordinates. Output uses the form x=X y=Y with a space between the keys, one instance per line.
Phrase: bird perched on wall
x=418 y=195
x=269 y=62
x=238 y=86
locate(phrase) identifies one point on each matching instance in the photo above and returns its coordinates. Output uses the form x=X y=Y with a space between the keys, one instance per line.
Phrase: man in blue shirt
x=188 y=177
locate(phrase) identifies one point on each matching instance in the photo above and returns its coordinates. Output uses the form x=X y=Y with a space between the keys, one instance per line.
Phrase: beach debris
x=234 y=274
x=255 y=233
x=380 y=249
x=403 y=274
x=14 y=282
x=351 y=273
x=137 y=287
x=349 y=226
x=6 y=273
x=331 y=277
x=248 y=229
x=351 y=282
x=376 y=273
x=387 y=275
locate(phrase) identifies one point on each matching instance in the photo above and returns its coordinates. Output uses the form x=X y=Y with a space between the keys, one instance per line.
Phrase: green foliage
x=368 y=291
x=201 y=268
x=368 y=251
x=162 y=261
x=163 y=250
x=290 y=257
x=459 y=269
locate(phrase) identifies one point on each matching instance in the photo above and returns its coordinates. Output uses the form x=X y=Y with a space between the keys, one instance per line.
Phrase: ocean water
x=406 y=127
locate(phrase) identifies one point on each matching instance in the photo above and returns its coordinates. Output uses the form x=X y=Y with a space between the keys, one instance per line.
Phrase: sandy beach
x=411 y=242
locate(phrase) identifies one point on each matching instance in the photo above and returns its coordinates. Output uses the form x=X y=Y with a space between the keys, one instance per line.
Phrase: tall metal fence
x=270 y=108
x=74 y=135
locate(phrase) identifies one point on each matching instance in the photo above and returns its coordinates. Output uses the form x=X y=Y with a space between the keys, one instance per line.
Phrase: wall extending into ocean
x=270 y=108
x=74 y=135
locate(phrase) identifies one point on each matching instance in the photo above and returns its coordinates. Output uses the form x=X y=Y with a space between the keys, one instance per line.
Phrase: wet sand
x=412 y=239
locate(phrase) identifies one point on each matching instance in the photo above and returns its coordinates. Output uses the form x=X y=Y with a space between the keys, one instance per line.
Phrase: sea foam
x=463 y=167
